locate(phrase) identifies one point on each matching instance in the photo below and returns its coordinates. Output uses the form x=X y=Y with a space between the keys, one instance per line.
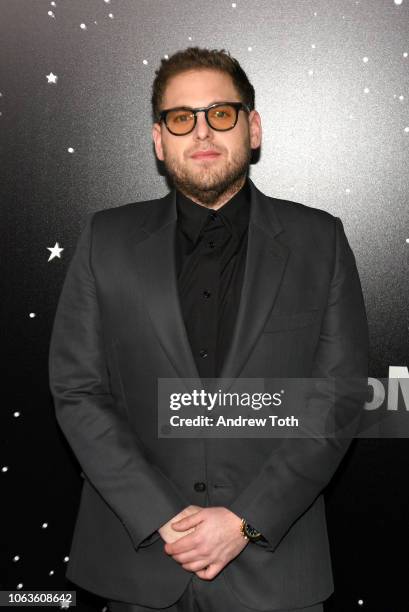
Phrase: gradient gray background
x=326 y=143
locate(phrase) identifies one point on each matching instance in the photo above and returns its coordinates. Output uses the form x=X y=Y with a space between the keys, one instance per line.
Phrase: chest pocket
x=278 y=322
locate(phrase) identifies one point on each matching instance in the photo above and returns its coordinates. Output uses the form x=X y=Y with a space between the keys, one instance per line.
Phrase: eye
x=223 y=112
x=182 y=117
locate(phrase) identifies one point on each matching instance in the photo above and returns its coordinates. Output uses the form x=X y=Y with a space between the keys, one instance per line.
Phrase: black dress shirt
x=211 y=248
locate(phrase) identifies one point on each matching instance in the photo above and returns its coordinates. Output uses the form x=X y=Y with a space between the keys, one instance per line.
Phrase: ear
x=157 y=139
x=255 y=129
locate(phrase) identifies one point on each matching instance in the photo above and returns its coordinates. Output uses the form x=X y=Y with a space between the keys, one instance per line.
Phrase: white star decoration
x=55 y=251
x=51 y=78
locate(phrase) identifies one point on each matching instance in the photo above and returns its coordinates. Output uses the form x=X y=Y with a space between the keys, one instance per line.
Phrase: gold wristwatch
x=248 y=532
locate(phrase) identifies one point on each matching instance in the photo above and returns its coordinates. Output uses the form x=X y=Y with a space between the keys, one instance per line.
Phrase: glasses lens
x=180 y=121
x=222 y=117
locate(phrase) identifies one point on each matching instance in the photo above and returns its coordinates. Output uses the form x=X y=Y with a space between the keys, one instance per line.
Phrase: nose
x=202 y=129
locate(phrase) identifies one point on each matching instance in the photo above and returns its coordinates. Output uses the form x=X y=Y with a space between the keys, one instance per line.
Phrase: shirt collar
x=192 y=217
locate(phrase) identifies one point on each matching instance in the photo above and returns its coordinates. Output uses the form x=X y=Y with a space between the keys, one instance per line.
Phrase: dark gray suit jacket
x=119 y=327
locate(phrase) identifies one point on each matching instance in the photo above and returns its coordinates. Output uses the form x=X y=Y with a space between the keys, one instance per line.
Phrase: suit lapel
x=156 y=267
x=264 y=267
x=265 y=263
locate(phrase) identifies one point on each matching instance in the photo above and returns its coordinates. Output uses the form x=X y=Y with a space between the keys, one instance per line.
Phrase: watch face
x=251 y=532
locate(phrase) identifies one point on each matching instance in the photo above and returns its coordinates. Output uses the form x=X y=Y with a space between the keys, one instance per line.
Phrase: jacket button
x=199 y=486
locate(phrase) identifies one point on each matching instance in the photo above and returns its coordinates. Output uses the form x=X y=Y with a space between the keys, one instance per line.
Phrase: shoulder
x=299 y=219
x=134 y=212
x=111 y=226
x=291 y=212
x=304 y=229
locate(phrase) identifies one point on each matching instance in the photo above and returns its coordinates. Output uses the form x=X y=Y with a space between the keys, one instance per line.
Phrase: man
x=213 y=280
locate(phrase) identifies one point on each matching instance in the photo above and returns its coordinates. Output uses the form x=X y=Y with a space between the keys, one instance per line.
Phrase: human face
x=210 y=180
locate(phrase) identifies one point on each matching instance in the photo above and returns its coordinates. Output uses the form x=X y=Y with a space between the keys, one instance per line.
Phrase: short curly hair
x=197 y=59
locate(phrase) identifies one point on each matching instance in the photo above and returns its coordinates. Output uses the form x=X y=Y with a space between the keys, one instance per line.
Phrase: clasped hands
x=203 y=540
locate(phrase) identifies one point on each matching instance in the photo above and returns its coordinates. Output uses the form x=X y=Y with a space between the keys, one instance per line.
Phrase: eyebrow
x=210 y=104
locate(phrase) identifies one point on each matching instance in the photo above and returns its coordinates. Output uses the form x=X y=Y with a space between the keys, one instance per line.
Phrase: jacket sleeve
x=107 y=449
x=297 y=472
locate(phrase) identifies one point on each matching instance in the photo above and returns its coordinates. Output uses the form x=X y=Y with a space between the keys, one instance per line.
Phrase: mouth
x=200 y=155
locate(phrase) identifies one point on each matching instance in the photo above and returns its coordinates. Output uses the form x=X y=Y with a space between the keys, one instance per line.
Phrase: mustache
x=206 y=150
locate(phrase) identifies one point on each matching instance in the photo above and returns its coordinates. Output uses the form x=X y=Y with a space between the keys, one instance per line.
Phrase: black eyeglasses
x=221 y=116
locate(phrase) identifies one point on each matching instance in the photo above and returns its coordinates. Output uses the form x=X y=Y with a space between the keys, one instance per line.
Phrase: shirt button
x=213 y=216
x=199 y=486
x=203 y=353
x=211 y=244
x=206 y=294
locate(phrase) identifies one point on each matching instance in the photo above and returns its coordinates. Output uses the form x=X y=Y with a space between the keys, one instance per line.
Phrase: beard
x=208 y=183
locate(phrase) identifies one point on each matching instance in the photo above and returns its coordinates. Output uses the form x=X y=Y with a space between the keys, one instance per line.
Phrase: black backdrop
x=332 y=90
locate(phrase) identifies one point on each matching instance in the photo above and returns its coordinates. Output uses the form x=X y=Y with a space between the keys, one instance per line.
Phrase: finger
x=195 y=566
x=191 y=510
x=188 y=557
x=187 y=522
x=209 y=572
x=184 y=544
x=174 y=536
